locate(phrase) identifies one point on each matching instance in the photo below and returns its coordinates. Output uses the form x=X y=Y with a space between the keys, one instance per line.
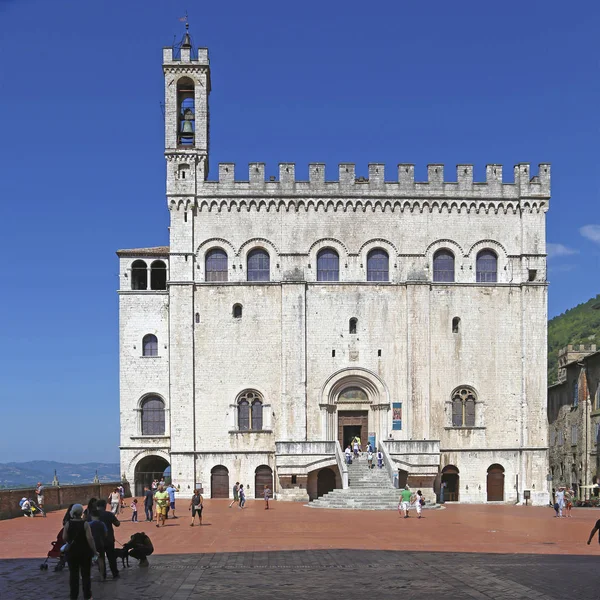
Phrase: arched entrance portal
x=219 y=482
x=451 y=478
x=325 y=481
x=149 y=469
x=262 y=476
x=495 y=483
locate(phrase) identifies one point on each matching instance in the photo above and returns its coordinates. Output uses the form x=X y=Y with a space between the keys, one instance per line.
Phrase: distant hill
x=579 y=325
x=23 y=474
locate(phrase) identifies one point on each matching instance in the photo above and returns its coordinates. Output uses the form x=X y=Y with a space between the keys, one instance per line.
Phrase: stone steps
x=369 y=489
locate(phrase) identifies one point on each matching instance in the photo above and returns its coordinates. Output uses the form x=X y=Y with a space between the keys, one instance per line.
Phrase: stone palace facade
x=286 y=317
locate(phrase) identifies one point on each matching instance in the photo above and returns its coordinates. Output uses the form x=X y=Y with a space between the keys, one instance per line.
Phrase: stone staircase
x=369 y=489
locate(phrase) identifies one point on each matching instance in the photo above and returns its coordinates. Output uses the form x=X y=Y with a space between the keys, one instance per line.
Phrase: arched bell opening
x=186 y=112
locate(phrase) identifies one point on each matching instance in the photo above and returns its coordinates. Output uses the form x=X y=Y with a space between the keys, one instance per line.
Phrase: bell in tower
x=185 y=98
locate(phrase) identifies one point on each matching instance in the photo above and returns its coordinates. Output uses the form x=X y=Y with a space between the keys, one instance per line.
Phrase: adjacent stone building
x=287 y=317
x=574 y=418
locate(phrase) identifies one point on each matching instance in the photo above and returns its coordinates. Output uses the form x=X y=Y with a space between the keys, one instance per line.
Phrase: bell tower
x=187 y=87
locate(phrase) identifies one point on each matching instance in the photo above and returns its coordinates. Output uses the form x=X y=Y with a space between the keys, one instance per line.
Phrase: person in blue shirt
x=171 y=491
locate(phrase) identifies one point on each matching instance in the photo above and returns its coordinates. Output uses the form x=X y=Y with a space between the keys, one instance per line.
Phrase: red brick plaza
x=293 y=526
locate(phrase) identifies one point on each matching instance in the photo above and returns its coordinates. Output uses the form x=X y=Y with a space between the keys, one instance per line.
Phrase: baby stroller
x=55 y=552
x=36 y=509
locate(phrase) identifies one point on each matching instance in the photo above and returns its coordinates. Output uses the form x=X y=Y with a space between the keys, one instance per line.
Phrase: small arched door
x=495 y=484
x=262 y=476
x=325 y=481
x=451 y=477
x=219 y=482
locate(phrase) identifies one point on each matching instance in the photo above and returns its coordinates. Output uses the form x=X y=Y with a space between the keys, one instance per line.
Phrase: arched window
x=139 y=275
x=353 y=325
x=237 y=311
x=443 y=266
x=250 y=411
x=158 y=275
x=328 y=265
x=259 y=268
x=487 y=267
x=153 y=416
x=150 y=345
x=187 y=112
x=378 y=265
x=456 y=325
x=216 y=265
x=463 y=408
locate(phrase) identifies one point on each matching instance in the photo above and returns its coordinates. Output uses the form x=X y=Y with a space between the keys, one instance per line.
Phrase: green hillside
x=579 y=325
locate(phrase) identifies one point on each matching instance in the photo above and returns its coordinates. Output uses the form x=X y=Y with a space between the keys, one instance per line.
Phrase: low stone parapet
x=55 y=497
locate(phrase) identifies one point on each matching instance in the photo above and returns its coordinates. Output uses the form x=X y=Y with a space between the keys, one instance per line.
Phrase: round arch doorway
x=219 y=482
x=262 y=476
x=148 y=469
x=325 y=482
x=451 y=477
x=495 y=483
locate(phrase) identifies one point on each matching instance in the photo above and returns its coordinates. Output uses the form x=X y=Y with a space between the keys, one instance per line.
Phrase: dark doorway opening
x=149 y=469
x=352 y=423
x=325 y=481
x=350 y=432
x=451 y=478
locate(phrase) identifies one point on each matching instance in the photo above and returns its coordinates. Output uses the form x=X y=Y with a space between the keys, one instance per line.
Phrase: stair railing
x=388 y=463
x=342 y=466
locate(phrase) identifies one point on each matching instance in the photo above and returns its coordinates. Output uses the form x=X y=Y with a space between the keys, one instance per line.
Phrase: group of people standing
x=89 y=535
x=239 y=495
x=354 y=449
x=563 y=502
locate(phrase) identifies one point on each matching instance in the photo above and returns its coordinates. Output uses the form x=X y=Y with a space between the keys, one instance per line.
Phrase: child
x=134 y=510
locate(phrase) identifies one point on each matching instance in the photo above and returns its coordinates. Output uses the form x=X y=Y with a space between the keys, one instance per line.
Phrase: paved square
x=499 y=552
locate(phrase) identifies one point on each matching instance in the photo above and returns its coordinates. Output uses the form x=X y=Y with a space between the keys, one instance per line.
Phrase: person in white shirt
x=348 y=454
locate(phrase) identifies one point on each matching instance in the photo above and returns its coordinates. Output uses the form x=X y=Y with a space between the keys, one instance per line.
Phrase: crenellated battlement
x=524 y=185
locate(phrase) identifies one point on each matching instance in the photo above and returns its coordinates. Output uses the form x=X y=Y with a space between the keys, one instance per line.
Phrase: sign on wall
x=397 y=415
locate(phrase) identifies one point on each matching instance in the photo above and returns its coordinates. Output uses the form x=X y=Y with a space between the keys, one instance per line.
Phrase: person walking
x=99 y=533
x=171 y=491
x=134 y=511
x=81 y=548
x=162 y=502
x=369 y=457
x=121 y=495
x=109 y=519
x=196 y=506
x=115 y=501
x=419 y=502
x=39 y=492
x=560 y=500
x=267 y=495
x=148 y=502
x=592 y=533
x=379 y=459
x=154 y=486
x=569 y=501
x=236 y=495
x=242 y=494
x=355 y=446
x=348 y=454
x=404 y=502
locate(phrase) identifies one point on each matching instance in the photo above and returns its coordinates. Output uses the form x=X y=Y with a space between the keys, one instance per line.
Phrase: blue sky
x=81 y=142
